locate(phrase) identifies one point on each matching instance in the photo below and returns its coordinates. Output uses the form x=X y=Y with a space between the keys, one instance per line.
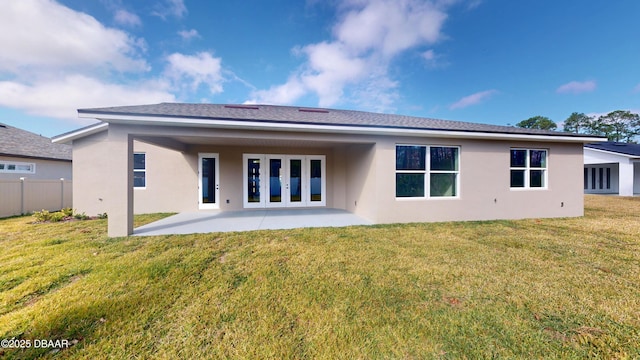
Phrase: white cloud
x=61 y=97
x=44 y=35
x=472 y=99
x=286 y=93
x=175 y=8
x=188 y=35
x=126 y=18
x=577 y=87
x=433 y=60
x=354 y=65
x=429 y=55
x=473 y=4
x=199 y=69
x=56 y=60
x=390 y=27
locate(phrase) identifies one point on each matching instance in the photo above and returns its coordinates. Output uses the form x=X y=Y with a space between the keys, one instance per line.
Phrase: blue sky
x=488 y=61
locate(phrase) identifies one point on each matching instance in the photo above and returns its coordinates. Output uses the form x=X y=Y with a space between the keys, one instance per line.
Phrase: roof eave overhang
x=633 y=157
x=80 y=133
x=325 y=128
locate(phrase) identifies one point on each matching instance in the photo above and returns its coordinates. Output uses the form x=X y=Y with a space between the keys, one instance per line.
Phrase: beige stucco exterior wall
x=360 y=173
x=361 y=182
x=485 y=184
x=90 y=173
x=45 y=169
x=171 y=180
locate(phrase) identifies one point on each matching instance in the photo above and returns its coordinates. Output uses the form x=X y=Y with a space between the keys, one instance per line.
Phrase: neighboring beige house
x=612 y=168
x=385 y=168
x=35 y=174
x=24 y=154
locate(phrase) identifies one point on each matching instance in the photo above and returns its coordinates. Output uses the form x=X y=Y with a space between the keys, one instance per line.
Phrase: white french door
x=208 y=181
x=284 y=180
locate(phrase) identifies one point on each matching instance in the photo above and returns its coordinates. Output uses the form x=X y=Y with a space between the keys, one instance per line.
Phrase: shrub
x=82 y=216
x=41 y=216
x=102 y=216
x=57 y=216
x=64 y=214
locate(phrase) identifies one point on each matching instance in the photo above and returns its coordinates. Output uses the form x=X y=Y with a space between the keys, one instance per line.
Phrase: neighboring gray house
x=385 y=168
x=612 y=168
x=24 y=154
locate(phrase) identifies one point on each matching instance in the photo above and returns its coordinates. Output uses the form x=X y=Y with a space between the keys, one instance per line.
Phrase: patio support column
x=625 y=178
x=120 y=191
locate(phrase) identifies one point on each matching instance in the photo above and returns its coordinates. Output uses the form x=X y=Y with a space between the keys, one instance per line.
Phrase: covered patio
x=248 y=220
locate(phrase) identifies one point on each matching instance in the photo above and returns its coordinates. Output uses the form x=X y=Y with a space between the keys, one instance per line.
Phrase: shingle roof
x=310 y=116
x=617 y=147
x=22 y=143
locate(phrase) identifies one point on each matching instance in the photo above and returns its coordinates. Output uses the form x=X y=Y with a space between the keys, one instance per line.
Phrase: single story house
x=383 y=167
x=612 y=168
x=35 y=173
x=24 y=154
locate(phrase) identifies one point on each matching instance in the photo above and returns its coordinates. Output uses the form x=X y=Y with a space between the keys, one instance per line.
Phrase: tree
x=578 y=123
x=618 y=126
x=538 y=122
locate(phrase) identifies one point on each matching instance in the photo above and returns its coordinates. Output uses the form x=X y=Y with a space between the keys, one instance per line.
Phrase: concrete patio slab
x=247 y=220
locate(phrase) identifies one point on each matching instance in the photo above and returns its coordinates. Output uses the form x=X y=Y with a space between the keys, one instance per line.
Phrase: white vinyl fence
x=26 y=195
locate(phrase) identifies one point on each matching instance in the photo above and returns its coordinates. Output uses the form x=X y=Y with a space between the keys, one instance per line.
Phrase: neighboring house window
x=427 y=171
x=139 y=170
x=600 y=178
x=17 y=167
x=528 y=168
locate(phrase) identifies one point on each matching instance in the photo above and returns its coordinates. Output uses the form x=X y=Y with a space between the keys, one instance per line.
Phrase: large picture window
x=528 y=168
x=427 y=171
x=139 y=170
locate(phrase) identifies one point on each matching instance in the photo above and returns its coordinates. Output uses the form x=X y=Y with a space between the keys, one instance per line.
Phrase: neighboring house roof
x=616 y=147
x=21 y=143
x=301 y=118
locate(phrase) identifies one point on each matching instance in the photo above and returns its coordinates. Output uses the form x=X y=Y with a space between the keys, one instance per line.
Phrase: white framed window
x=427 y=171
x=139 y=170
x=17 y=167
x=528 y=168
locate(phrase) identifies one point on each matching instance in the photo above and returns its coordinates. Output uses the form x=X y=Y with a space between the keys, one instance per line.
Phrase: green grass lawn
x=547 y=288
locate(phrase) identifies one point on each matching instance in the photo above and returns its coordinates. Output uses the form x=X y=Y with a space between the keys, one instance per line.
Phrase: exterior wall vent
x=246 y=107
x=323 y=111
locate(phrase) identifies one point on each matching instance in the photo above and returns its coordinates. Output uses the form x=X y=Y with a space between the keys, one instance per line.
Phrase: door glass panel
x=275 y=180
x=208 y=180
x=316 y=180
x=253 y=180
x=295 y=180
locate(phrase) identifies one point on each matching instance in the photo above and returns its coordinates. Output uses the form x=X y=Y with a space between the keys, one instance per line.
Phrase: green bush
x=42 y=216
x=57 y=216
x=82 y=216
x=64 y=214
